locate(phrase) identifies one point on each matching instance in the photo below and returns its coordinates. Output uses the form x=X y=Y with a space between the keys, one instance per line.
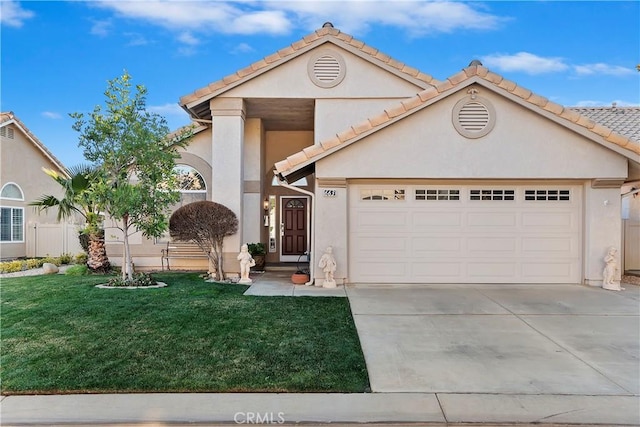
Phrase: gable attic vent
x=7 y=132
x=326 y=69
x=473 y=117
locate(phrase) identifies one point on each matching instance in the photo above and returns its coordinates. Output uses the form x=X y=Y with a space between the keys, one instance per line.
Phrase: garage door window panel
x=437 y=194
x=547 y=195
x=382 y=194
x=507 y=195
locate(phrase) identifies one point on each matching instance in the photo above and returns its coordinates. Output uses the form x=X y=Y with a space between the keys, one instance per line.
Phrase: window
x=492 y=195
x=386 y=194
x=437 y=194
x=11 y=191
x=547 y=195
x=294 y=204
x=11 y=224
x=191 y=185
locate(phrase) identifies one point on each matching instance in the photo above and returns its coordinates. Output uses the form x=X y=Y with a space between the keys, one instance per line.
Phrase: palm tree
x=78 y=198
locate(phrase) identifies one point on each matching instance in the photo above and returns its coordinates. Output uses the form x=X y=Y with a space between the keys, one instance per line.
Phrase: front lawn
x=60 y=334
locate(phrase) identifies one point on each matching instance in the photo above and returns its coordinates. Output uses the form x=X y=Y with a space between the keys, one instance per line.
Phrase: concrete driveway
x=500 y=339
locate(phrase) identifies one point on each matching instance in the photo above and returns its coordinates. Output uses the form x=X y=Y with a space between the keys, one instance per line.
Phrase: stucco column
x=602 y=230
x=331 y=219
x=227 y=183
x=253 y=173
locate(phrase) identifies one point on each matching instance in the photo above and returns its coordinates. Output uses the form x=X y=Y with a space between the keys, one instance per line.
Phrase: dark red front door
x=294 y=214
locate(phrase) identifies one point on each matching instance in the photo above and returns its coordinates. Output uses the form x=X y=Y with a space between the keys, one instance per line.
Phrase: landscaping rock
x=49 y=268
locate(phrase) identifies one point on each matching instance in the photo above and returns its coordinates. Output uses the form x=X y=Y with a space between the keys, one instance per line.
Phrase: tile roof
x=317 y=37
x=622 y=120
x=473 y=73
x=7 y=118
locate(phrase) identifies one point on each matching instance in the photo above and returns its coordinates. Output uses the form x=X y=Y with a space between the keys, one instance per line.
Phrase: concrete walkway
x=437 y=355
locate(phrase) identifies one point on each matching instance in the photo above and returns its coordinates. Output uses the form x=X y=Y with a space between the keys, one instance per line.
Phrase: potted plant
x=258 y=252
x=302 y=274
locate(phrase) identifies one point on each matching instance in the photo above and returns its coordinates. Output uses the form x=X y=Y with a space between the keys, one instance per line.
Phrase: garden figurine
x=610 y=273
x=246 y=262
x=328 y=266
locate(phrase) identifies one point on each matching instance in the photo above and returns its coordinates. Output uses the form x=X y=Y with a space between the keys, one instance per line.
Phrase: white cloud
x=169 y=109
x=51 y=115
x=12 y=14
x=188 y=39
x=101 y=28
x=601 y=68
x=414 y=17
x=525 y=62
x=242 y=48
x=280 y=17
x=223 y=17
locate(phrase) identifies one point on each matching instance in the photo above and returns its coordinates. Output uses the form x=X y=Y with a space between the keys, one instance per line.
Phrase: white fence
x=52 y=239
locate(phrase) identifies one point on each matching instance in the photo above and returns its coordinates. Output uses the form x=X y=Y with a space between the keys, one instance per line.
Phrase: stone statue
x=611 y=270
x=328 y=266
x=246 y=262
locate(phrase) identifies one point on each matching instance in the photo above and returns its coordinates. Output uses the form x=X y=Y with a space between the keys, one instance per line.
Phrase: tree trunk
x=97 y=259
x=218 y=251
x=127 y=267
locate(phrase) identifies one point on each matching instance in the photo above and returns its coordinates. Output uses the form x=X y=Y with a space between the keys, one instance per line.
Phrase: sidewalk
x=249 y=408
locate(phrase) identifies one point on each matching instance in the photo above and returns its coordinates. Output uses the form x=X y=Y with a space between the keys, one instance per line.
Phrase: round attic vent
x=326 y=69
x=473 y=117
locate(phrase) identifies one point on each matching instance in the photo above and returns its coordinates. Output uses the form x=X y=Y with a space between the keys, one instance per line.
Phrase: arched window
x=11 y=191
x=190 y=179
x=191 y=184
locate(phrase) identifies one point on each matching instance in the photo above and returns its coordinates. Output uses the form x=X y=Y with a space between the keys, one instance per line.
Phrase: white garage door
x=465 y=233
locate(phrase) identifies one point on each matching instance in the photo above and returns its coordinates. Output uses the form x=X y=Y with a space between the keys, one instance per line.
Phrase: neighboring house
x=23 y=231
x=410 y=179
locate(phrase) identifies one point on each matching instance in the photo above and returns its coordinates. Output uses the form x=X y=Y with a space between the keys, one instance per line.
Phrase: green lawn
x=60 y=334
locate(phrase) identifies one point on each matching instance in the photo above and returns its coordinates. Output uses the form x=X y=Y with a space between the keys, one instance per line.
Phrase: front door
x=294 y=226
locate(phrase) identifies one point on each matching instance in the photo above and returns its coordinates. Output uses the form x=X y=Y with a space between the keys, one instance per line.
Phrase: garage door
x=465 y=233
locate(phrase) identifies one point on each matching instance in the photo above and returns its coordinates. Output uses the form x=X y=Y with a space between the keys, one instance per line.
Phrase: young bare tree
x=205 y=223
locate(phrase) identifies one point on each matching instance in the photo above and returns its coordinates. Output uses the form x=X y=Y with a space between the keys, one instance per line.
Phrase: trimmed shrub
x=52 y=260
x=66 y=258
x=140 y=279
x=81 y=258
x=77 y=270
x=34 y=263
x=12 y=266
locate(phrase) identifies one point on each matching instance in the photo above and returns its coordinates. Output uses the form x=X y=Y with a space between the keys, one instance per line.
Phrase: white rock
x=49 y=268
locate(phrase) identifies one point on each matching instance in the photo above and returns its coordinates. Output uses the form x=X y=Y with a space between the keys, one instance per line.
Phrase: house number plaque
x=330 y=193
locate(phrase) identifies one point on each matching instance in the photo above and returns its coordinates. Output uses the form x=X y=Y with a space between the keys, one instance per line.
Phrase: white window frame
x=12 y=198
x=12 y=224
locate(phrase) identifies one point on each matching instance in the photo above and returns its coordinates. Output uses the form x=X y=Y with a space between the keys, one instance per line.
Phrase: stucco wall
x=336 y=115
x=521 y=145
x=22 y=164
x=290 y=80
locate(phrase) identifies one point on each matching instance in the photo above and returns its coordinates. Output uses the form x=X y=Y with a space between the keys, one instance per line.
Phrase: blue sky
x=56 y=56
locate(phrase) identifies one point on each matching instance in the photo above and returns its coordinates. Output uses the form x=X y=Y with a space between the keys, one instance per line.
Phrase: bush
x=34 y=263
x=77 y=270
x=140 y=279
x=12 y=266
x=81 y=258
x=52 y=260
x=66 y=258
